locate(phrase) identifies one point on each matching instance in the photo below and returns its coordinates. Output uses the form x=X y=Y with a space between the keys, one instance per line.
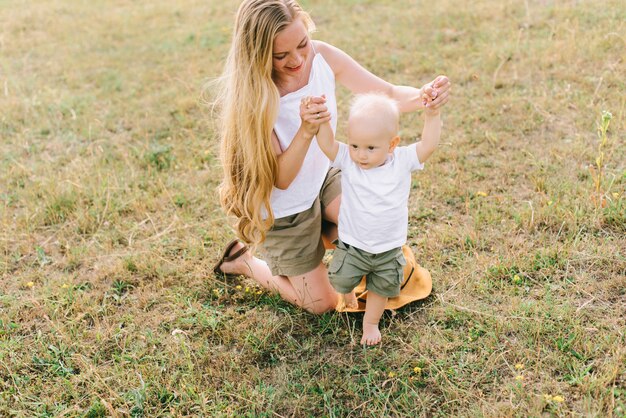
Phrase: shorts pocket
x=339 y=256
x=400 y=258
x=401 y=263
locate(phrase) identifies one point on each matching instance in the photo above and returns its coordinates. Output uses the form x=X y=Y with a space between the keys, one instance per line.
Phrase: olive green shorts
x=293 y=246
x=383 y=271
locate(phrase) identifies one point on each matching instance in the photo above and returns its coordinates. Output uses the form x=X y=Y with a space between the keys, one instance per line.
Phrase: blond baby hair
x=378 y=109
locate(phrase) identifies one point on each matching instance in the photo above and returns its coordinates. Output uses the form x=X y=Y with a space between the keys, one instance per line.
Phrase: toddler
x=373 y=217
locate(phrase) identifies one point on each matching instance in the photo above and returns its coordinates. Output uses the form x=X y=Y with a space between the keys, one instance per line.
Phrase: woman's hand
x=435 y=94
x=313 y=112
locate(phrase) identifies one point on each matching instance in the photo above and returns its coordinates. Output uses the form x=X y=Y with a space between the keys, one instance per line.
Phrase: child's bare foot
x=350 y=299
x=371 y=334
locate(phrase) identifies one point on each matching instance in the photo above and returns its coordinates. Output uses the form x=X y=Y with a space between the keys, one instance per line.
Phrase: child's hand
x=313 y=113
x=435 y=94
x=429 y=93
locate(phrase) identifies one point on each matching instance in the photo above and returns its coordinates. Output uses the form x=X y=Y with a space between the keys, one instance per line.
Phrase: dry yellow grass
x=109 y=222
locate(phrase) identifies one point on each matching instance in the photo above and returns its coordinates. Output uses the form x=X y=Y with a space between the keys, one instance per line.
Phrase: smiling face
x=291 y=51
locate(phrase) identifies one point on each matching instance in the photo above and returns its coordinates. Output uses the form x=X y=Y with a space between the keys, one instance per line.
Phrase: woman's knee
x=324 y=304
x=317 y=307
x=320 y=307
x=314 y=292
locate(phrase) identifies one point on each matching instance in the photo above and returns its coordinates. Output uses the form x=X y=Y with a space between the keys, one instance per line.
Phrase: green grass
x=109 y=221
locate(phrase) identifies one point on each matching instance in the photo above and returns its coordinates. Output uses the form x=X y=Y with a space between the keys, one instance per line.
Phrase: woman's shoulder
x=325 y=48
x=332 y=54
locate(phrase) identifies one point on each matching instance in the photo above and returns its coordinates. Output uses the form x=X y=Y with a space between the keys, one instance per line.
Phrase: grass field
x=109 y=221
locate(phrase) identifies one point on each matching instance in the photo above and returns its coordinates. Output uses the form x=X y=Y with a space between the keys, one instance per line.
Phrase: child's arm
x=430 y=135
x=432 y=125
x=326 y=141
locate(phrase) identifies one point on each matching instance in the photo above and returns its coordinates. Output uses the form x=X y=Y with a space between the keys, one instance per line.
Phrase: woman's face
x=291 y=50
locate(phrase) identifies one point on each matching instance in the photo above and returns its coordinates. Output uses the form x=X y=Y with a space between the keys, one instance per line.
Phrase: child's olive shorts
x=384 y=271
x=293 y=246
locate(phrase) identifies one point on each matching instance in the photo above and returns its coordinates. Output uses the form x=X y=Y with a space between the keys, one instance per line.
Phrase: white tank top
x=305 y=188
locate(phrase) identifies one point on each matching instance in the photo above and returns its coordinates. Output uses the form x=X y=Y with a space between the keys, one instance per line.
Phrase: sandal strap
x=226 y=258
x=236 y=254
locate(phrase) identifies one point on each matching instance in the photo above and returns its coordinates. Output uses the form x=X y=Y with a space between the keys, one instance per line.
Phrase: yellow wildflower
x=558 y=398
x=391 y=374
x=65 y=286
x=519 y=366
x=550 y=203
x=519 y=377
x=247 y=289
x=238 y=287
x=483 y=194
x=30 y=284
x=417 y=369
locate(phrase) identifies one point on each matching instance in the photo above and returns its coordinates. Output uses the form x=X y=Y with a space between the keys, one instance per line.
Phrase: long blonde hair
x=248 y=102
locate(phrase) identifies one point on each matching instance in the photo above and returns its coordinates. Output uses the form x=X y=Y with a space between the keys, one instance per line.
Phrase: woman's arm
x=357 y=79
x=290 y=160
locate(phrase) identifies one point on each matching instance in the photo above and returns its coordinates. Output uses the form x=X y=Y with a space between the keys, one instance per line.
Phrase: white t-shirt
x=374 y=213
x=305 y=188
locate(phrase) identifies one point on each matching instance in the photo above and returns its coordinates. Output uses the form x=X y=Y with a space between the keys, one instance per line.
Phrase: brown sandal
x=225 y=258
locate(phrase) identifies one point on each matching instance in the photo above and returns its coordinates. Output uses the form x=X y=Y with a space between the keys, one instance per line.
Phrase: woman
x=277 y=184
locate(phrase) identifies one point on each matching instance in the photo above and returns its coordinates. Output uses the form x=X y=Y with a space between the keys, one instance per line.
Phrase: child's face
x=368 y=147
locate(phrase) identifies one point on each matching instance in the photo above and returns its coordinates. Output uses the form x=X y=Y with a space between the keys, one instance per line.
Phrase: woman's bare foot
x=240 y=265
x=371 y=334
x=350 y=300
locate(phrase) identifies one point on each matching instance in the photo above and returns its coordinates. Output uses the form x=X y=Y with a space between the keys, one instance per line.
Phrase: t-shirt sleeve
x=407 y=156
x=342 y=156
